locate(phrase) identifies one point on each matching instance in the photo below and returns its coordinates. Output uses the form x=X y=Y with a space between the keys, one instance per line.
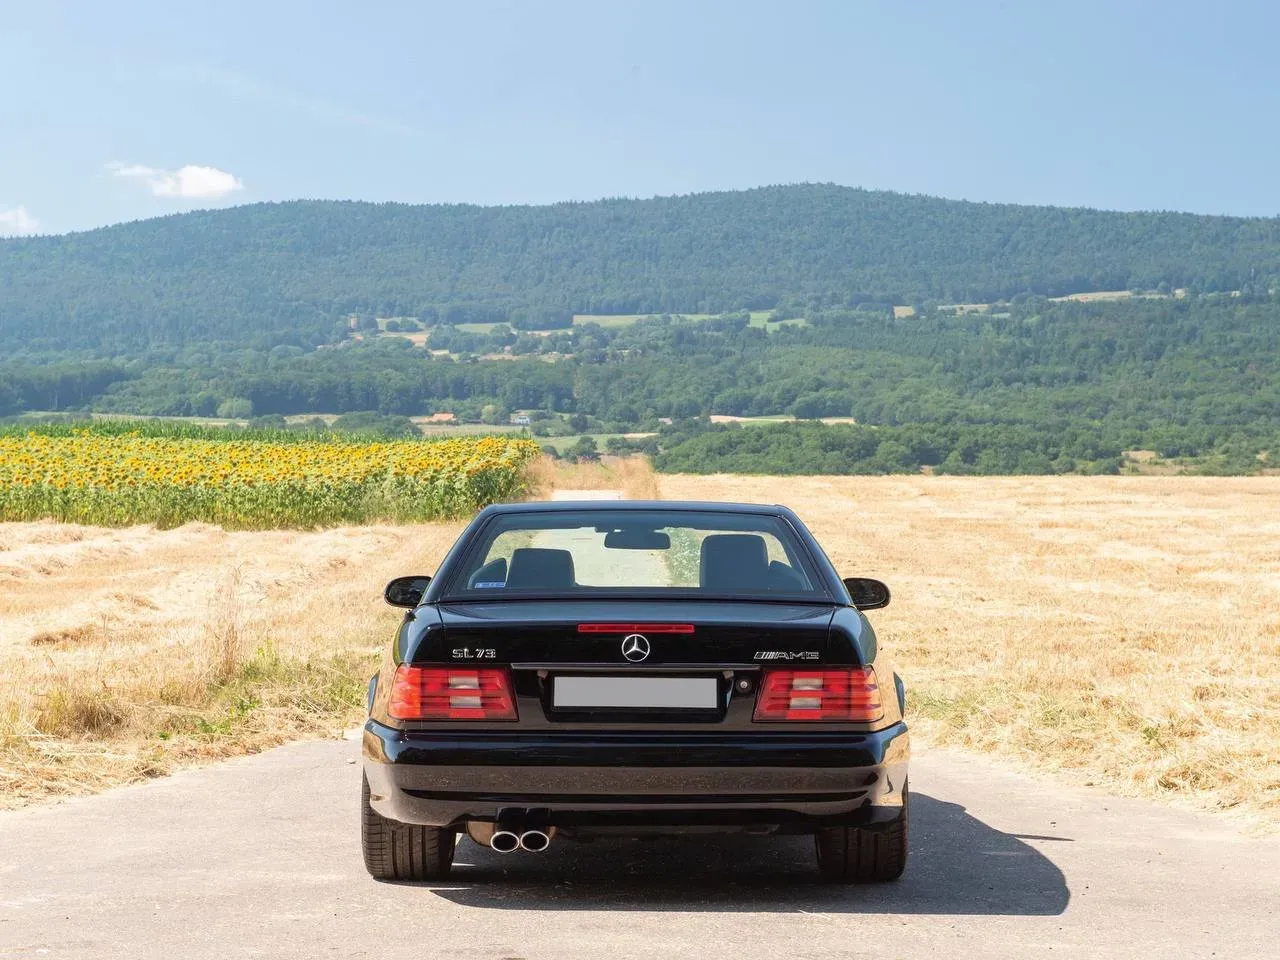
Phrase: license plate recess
x=634 y=693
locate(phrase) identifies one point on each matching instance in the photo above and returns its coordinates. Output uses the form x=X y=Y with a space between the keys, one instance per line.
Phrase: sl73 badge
x=475 y=653
x=786 y=655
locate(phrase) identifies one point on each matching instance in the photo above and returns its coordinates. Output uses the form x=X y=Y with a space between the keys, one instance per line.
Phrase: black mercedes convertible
x=626 y=668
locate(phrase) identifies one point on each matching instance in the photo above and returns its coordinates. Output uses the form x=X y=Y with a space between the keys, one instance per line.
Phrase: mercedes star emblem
x=635 y=647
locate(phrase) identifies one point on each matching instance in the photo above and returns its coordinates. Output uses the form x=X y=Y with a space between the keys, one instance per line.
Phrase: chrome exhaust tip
x=535 y=841
x=504 y=841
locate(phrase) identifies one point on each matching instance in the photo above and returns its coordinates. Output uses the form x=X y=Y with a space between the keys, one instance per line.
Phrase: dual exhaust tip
x=508 y=841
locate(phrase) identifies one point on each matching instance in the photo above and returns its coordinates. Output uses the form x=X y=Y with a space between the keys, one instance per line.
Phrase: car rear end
x=741 y=716
x=526 y=722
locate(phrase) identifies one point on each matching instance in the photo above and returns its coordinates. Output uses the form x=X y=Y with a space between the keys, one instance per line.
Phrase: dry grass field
x=128 y=652
x=632 y=475
x=1122 y=631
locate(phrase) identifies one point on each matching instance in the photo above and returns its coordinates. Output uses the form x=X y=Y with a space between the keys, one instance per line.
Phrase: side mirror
x=406 y=591
x=867 y=594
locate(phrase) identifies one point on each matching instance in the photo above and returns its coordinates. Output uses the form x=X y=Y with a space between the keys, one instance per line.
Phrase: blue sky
x=121 y=110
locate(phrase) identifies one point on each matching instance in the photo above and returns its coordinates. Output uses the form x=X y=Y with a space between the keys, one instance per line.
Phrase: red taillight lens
x=451 y=693
x=849 y=694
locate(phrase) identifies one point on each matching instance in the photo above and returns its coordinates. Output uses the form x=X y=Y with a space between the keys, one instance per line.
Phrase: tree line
x=1032 y=386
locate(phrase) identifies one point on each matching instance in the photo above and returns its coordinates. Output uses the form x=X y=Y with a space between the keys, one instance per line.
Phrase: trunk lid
x=592 y=633
x=701 y=665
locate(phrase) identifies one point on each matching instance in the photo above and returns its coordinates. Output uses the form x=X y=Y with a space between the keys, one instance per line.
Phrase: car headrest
x=734 y=563
x=538 y=568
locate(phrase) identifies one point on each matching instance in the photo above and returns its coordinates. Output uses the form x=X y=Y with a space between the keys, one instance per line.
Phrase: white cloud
x=18 y=223
x=191 y=182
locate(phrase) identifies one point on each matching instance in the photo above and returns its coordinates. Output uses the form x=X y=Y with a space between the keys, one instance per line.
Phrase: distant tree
x=541 y=318
x=369 y=421
x=10 y=399
x=584 y=449
x=235 y=408
x=828 y=403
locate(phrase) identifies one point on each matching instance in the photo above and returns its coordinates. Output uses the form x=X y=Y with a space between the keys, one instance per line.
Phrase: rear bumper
x=793 y=780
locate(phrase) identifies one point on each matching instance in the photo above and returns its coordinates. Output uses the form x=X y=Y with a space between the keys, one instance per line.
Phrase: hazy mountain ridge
x=290 y=272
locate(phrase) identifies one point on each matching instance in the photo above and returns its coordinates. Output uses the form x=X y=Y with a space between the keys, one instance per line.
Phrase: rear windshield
x=659 y=553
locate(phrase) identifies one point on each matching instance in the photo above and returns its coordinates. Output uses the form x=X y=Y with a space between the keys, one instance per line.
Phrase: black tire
x=402 y=851
x=854 y=855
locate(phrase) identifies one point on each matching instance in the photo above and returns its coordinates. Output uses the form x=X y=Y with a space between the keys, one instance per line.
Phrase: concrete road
x=260 y=857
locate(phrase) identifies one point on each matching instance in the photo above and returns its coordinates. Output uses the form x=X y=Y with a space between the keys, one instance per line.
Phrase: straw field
x=1122 y=631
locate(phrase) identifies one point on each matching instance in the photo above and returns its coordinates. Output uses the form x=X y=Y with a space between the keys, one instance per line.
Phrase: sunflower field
x=238 y=482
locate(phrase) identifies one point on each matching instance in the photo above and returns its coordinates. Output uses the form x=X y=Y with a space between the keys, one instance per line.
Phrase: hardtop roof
x=613 y=506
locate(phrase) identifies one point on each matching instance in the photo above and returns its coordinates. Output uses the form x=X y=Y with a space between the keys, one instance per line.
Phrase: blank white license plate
x=661 y=693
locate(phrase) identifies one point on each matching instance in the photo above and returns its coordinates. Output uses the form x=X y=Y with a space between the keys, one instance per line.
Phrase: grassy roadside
x=248 y=658
x=95 y=731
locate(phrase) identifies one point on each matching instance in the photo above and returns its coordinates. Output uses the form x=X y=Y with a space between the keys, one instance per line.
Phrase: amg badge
x=786 y=655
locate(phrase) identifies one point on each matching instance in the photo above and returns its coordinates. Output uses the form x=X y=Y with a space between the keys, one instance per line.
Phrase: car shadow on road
x=958 y=865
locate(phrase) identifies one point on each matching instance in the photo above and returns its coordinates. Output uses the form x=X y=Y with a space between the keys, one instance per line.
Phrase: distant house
x=521 y=420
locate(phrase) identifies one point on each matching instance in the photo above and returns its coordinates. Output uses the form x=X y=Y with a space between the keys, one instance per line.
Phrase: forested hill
x=291 y=272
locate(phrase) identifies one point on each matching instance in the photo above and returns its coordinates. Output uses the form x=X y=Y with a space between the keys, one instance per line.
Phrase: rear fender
x=416 y=624
x=893 y=693
x=853 y=640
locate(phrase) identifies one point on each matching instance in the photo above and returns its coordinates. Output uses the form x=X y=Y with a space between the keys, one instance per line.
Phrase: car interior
x=731 y=563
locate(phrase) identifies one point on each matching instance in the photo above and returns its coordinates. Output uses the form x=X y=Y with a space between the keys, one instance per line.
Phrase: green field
x=464 y=429
x=773 y=418
x=35 y=416
x=561 y=444
x=426 y=428
x=626 y=319
x=759 y=318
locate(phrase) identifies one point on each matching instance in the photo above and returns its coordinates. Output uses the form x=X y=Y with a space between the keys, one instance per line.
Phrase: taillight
x=848 y=694
x=451 y=693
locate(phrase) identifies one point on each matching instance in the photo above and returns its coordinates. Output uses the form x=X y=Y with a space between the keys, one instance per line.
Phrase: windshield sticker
x=490 y=584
